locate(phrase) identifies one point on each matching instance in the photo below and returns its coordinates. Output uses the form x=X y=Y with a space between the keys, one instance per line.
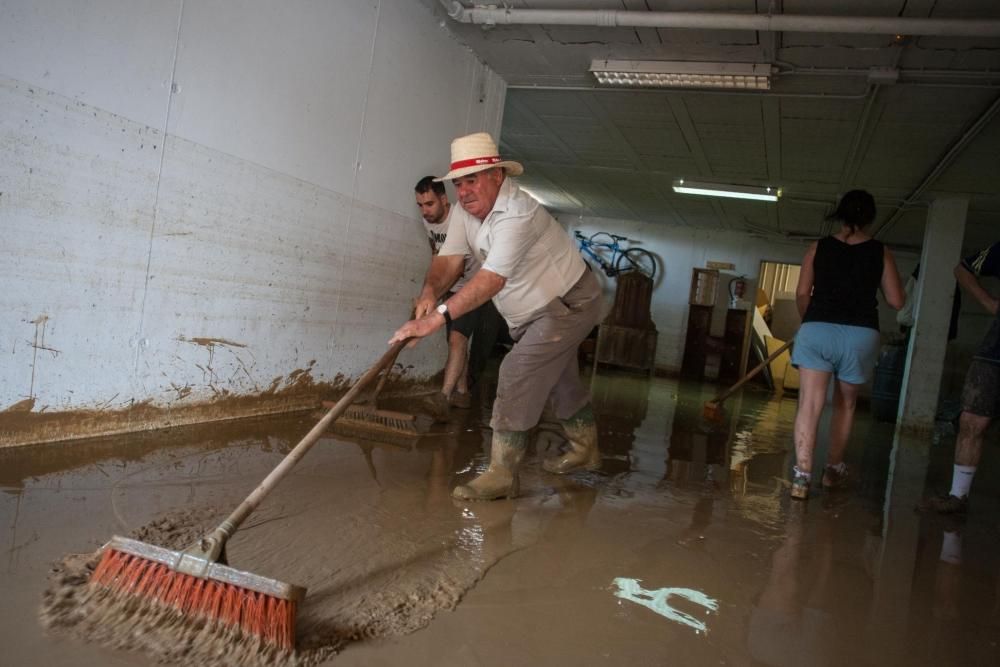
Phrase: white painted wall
x=681 y=249
x=201 y=198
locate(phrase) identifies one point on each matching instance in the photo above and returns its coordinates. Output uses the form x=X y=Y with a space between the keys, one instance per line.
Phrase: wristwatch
x=443 y=309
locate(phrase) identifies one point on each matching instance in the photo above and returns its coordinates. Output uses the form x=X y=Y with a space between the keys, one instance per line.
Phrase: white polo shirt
x=520 y=241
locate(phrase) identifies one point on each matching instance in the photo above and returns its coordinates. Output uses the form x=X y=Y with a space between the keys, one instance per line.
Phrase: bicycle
x=622 y=259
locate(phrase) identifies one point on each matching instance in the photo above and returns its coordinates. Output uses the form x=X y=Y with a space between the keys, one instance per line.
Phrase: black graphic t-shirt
x=437 y=233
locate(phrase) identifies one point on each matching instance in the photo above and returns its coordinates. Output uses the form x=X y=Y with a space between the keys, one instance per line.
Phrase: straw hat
x=476 y=152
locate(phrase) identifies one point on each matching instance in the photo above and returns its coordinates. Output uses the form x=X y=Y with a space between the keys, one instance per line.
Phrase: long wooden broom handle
x=233 y=521
x=388 y=369
x=383 y=378
x=774 y=355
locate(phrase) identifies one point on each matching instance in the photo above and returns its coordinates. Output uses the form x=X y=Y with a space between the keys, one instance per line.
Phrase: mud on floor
x=368 y=528
x=390 y=605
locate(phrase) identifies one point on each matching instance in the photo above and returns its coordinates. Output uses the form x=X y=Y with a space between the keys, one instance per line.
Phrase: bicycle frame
x=607 y=265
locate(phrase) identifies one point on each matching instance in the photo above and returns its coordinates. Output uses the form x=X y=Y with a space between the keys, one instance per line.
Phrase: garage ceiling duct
x=620 y=18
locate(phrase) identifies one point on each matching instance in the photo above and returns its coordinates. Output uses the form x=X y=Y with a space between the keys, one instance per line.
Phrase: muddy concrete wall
x=210 y=204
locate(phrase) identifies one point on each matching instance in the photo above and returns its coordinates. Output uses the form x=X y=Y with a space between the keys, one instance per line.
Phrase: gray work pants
x=542 y=365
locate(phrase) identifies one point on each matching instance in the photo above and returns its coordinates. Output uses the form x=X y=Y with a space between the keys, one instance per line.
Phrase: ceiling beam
x=601 y=114
x=770 y=42
x=542 y=171
x=770 y=111
x=863 y=131
x=538 y=173
x=646 y=36
x=543 y=128
x=941 y=167
x=690 y=134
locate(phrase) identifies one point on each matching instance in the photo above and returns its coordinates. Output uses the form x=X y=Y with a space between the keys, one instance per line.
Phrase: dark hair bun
x=856 y=209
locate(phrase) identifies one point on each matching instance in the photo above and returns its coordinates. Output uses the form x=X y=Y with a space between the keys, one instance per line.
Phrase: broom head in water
x=713 y=411
x=199 y=591
x=367 y=422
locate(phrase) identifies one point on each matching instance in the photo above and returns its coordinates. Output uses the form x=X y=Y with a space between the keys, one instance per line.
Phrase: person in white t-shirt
x=432 y=200
x=533 y=272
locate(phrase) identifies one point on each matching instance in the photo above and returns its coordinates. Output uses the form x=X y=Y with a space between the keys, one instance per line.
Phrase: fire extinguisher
x=737 y=288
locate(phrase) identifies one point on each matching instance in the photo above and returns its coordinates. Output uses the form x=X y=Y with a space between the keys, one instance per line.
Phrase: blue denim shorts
x=847 y=351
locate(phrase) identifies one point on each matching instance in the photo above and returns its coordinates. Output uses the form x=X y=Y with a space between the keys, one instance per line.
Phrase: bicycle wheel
x=637 y=259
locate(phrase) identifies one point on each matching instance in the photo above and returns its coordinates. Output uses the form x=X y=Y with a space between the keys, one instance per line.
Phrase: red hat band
x=475 y=162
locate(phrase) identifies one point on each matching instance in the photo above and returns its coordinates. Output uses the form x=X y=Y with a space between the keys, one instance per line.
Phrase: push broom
x=713 y=409
x=367 y=421
x=197 y=584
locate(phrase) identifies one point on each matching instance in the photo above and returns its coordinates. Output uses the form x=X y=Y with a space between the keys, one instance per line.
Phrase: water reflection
x=18 y=464
x=872 y=463
x=845 y=565
x=747 y=451
x=439 y=474
x=856 y=577
x=696 y=450
x=790 y=619
x=621 y=402
x=762 y=444
x=947 y=576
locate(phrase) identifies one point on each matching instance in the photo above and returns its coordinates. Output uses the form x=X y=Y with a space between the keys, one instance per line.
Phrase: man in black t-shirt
x=981 y=393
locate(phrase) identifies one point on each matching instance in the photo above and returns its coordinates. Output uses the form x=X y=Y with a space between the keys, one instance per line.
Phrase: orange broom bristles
x=250 y=612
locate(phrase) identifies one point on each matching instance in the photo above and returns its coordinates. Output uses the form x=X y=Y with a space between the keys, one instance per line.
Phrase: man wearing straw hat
x=537 y=280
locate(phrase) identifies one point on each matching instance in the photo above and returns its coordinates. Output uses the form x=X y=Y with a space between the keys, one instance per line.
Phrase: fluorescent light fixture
x=759 y=193
x=681 y=74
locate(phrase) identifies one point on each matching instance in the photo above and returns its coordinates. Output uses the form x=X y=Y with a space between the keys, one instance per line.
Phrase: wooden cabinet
x=696 y=343
x=627 y=337
x=731 y=363
x=704 y=290
x=704 y=287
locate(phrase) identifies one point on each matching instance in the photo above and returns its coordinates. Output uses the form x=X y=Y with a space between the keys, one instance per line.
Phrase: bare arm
x=892 y=286
x=481 y=288
x=970 y=284
x=803 y=291
x=442 y=274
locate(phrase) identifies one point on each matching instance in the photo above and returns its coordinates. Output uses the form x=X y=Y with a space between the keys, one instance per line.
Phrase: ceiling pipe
x=942 y=165
x=851 y=163
x=795 y=70
x=622 y=18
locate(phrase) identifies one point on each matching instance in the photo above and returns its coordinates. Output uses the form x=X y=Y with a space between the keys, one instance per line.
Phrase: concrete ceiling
x=822 y=129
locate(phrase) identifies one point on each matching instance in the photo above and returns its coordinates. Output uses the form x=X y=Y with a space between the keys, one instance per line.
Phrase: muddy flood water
x=685 y=549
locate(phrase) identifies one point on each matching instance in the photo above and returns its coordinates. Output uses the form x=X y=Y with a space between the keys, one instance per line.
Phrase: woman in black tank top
x=836 y=297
